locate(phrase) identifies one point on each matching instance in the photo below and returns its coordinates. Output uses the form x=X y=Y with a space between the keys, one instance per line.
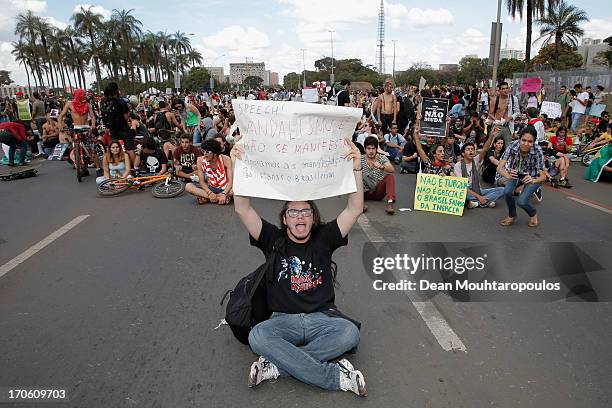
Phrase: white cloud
x=237 y=40
x=422 y=18
x=106 y=14
x=56 y=23
x=36 y=6
x=598 y=28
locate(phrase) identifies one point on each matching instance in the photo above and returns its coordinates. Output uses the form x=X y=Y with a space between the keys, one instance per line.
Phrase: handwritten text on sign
x=294 y=151
x=440 y=194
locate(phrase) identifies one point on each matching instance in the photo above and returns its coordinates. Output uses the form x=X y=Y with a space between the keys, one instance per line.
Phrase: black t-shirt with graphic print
x=303 y=281
x=152 y=162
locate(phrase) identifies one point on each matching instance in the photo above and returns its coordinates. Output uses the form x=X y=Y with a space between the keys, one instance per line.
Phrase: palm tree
x=534 y=8
x=165 y=40
x=194 y=57
x=26 y=27
x=88 y=22
x=21 y=56
x=129 y=26
x=45 y=31
x=562 y=25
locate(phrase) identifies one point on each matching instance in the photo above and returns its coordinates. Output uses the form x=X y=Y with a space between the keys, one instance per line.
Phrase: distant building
x=239 y=71
x=471 y=56
x=11 y=90
x=509 y=53
x=589 y=49
x=217 y=73
x=448 y=67
x=267 y=80
x=274 y=78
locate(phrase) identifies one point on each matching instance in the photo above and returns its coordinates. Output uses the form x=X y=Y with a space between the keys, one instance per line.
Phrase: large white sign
x=551 y=109
x=294 y=151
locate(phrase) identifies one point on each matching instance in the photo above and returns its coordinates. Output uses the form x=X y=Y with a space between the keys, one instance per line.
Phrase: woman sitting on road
x=494 y=154
x=436 y=164
x=116 y=163
x=215 y=175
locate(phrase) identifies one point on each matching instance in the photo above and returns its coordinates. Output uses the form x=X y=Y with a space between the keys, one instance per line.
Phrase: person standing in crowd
x=343 y=98
x=469 y=167
x=532 y=100
x=387 y=107
x=13 y=134
x=378 y=179
x=24 y=110
x=563 y=99
x=306 y=331
x=115 y=115
x=484 y=99
x=215 y=175
x=579 y=105
x=522 y=163
x=504 y=111
x=39 y=112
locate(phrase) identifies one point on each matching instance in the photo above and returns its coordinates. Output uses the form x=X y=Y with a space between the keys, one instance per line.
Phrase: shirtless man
x=386 y=108
x=81 y=112
x=50 y=133
x=503 y=110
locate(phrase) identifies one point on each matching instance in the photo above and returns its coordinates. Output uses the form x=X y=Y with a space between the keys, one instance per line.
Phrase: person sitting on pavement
x=474 y=131
x=215 y=174
x=469 y=166
x=410 y=158
x=50 y=133
x=494 y=154
x=13 y=134
x=434 y=163
x=452 y=151
x=537 y=123
x=149 y=160
x=603 y=139
x=394 y=142
x=116 y=163
x=558 y=148
x=378 y=179
x=601 y=167
x=306 y=331
x=186 y=157
x=525 y=165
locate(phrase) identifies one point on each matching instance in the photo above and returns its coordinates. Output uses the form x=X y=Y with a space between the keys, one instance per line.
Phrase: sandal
x=202 y=200
x=534 y=224
x=506 y=222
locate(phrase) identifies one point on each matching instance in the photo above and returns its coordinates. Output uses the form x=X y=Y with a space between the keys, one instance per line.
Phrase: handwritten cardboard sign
x=294 y=151
x=310 y=95
x=440 y=194
x=551 y=109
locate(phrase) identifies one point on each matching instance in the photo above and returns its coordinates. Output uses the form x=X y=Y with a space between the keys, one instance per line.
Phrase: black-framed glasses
x=293 y=213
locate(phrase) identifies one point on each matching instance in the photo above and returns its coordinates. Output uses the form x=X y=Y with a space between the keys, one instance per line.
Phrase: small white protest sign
x=551 y=109
x=310 y=95
x=294 y=151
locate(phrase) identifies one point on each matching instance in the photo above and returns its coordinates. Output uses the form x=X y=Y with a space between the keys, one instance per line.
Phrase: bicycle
x=85 y=153
x=164 y=185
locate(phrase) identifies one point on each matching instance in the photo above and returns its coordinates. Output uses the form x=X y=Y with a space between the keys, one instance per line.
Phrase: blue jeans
x=394 y=152
x=301 y=345
x=197 y=135
x=491 y=194
x=575 y=121
x=523 y=199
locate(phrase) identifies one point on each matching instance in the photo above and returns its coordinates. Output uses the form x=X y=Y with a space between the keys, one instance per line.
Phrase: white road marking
x=40 y=245
x=439 y=327
x=595 y=206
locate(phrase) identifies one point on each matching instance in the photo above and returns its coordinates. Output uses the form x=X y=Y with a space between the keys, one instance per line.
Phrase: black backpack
x=161 y=121
x=111 y=115
x=248 y=303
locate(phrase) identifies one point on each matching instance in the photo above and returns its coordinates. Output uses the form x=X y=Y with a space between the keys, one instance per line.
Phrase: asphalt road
x=120 y=309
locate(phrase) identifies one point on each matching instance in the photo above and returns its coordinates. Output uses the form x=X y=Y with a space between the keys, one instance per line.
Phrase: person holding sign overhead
x=436 y=164
x=522 y=163
x=306 y=331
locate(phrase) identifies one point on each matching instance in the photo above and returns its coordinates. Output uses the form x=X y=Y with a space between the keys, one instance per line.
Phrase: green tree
x=568 y=58
x=5 y=77
x=562 y=25
x=534 y=8
x=472 y=70
x=89 y=22
x=507 y=67
x=292 y=80
x=252 y=81
x=196 y=79
x=130 y=29
x=605 y=57
x=413 y=75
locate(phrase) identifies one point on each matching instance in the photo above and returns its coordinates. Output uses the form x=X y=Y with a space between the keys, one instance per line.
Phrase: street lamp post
x=394 y=41
x=331 y=34
x=496 y=51
x=304 y=68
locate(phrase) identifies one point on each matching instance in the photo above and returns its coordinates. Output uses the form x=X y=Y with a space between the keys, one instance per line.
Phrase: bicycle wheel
x=77 y=161
x=109 y=188
x=172 y=189
x=587 y=159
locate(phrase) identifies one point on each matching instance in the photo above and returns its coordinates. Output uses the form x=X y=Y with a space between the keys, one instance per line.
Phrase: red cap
x=18 y=93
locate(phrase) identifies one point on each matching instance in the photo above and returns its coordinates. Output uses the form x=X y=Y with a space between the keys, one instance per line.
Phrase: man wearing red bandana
x=81 y=112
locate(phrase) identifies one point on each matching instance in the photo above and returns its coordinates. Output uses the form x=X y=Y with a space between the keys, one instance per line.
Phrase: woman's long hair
x=109 y=155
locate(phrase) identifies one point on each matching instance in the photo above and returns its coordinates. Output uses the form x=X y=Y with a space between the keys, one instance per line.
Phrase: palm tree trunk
x=529 y=29
x=557 y=43
x=28 y=75
x=68 y=76
x=96 y=61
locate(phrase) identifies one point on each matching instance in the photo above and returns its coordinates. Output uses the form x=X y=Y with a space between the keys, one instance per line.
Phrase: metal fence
x=552 y=81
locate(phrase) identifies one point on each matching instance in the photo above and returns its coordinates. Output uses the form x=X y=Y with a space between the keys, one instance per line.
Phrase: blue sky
x=274 y=31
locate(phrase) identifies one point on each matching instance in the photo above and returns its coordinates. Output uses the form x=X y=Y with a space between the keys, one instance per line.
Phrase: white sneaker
x=194 y=178
x=262 y=370
x=472 y=204
x=351 y=379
